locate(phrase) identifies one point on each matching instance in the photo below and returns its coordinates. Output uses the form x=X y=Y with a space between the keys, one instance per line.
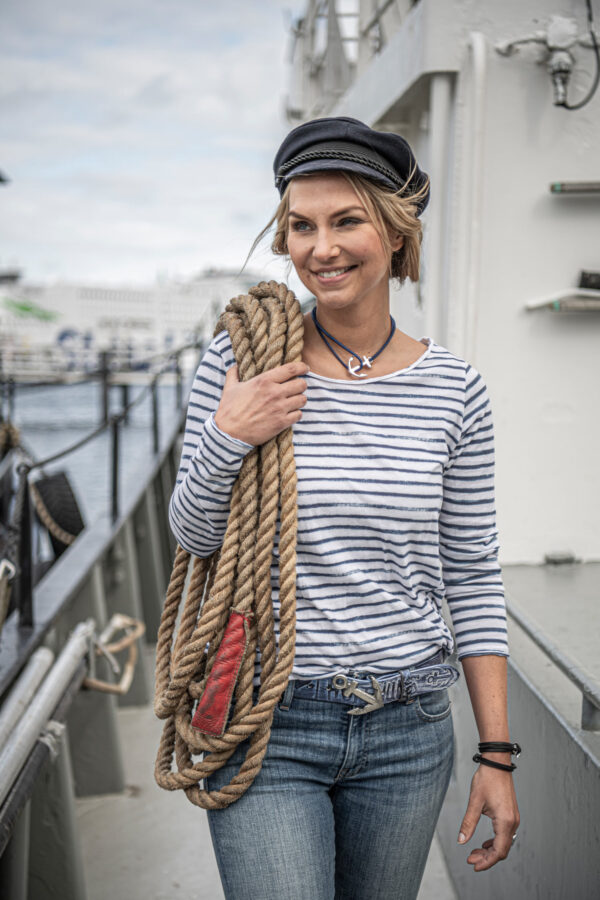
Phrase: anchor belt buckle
x=349 y=688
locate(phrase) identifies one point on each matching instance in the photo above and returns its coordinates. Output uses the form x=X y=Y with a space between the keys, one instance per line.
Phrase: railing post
x=11 y=398
x=104 y=372
x=155 y=434
x=125 y=403
x=178 y=383
x=114 y=431
x=24 y=580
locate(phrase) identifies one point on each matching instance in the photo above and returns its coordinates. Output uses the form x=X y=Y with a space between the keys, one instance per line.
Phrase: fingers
x=231 y=375
x=258 y=409
x=287 y=371
x=494 y=849
x=285 y=382
x=469 y=823
x=293 y=387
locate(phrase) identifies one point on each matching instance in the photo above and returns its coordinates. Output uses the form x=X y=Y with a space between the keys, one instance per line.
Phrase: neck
x=359 y=329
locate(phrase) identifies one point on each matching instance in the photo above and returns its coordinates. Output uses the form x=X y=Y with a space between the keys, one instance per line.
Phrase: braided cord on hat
x=310 y=155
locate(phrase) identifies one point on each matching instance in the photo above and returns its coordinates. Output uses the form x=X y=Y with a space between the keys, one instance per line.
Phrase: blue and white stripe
x=395 y=511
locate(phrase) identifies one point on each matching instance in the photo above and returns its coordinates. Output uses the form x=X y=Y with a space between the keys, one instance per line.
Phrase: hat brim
x=338 y=165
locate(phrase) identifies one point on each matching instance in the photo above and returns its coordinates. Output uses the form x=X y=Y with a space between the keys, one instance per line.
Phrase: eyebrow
x=339 y=212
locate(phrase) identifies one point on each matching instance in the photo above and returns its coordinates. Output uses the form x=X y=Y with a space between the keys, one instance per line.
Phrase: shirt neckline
x=417 y=362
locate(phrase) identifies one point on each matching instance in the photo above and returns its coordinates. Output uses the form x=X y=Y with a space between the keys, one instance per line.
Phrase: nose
x=325 y=246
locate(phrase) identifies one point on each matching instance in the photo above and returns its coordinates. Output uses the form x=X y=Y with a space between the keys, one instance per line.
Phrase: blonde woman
x=394 y=455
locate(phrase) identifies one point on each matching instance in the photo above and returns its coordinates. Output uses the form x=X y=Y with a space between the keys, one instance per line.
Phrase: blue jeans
x=344 y=807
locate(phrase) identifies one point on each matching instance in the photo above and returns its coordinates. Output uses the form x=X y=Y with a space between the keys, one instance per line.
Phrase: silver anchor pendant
x=354 y=369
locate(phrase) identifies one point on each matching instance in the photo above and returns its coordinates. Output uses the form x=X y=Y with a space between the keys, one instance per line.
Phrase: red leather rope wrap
x=213 y=707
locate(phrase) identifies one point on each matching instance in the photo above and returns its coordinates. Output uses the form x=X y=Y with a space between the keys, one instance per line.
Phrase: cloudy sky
x=138 y=136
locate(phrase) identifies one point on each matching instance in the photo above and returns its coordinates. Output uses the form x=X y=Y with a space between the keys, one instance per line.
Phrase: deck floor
x=149 y=844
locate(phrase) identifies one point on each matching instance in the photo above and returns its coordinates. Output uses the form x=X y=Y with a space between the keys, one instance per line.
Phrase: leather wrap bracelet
x=478 y=758
x=499 y=747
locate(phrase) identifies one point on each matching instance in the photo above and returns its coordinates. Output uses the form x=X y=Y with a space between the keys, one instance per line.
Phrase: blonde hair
x=390 y=212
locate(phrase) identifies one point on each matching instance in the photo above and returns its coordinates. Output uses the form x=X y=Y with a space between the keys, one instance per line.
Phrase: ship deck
x=149 y=844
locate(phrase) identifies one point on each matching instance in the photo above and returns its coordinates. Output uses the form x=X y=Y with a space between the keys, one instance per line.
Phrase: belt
x=367 y=693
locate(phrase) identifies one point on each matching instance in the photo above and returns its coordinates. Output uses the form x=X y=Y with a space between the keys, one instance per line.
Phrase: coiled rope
x=266 y=329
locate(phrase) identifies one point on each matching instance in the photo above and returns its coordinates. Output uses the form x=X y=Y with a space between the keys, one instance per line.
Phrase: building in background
x=65 y=326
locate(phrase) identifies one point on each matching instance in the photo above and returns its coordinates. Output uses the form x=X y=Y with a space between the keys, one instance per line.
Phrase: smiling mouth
x=334 y=273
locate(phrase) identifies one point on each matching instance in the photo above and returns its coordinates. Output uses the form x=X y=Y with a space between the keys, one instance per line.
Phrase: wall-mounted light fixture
x=559 y=37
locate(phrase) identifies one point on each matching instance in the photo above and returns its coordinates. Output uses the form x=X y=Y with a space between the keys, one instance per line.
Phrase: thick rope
x=9 y=437
x=266 y=329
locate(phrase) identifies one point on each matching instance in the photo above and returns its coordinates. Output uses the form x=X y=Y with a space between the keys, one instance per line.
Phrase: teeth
x=334 y=273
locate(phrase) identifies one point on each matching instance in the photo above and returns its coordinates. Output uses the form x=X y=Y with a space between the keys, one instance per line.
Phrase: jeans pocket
x=433 y=706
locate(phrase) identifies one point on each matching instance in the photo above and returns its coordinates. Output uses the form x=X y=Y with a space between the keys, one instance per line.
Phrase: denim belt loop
x=286 y=700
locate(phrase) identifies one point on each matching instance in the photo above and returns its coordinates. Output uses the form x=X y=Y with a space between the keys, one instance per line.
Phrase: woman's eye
x=300 y=226
x=349 y=220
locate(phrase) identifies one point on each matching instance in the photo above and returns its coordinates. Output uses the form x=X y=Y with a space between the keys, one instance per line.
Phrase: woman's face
x=334 y=246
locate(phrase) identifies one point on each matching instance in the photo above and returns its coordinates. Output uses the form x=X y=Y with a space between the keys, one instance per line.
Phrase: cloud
x=139 y=137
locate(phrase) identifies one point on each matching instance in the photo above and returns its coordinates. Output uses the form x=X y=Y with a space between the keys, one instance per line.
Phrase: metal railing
x=590 y=691
x=114 y=565
x=21 y=519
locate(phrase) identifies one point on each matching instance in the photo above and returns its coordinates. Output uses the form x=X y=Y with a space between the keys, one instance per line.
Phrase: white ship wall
x=496 y=239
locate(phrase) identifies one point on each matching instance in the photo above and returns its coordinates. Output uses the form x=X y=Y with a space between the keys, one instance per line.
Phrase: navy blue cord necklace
x=366 y=360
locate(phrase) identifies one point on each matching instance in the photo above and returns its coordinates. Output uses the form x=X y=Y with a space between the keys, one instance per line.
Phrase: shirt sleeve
x=210 y=460
x=468 y=536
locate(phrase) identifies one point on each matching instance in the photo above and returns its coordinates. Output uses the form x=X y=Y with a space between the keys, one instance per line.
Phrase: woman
x=394 y=457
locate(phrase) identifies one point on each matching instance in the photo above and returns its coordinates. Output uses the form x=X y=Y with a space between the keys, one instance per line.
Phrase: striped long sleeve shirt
x=395 y=511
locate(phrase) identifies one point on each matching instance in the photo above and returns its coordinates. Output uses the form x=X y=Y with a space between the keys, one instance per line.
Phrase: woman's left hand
x=492 y=794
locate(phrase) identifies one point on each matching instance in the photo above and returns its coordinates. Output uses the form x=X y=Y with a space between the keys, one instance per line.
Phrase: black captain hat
x=341 y=143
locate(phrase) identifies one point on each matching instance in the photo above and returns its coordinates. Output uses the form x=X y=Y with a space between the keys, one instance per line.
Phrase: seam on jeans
x=361 y=729
x=364 y=753
x=342 y=771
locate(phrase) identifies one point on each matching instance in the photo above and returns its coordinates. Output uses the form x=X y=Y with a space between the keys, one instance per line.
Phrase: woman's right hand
x=256 y=410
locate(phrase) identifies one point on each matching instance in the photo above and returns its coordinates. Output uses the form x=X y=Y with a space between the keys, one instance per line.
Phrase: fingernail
x=461 y=838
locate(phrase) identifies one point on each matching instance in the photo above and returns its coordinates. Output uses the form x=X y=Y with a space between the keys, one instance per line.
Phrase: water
x=52 y=418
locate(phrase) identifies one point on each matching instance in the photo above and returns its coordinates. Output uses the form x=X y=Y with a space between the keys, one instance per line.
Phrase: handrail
x=590 y=713
x=27 y=730
x=63 y=581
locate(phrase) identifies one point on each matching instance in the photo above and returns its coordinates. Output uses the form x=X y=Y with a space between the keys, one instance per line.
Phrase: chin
x=335 y=301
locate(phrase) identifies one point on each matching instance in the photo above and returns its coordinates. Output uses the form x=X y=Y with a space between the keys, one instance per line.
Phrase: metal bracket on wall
x=569 y=300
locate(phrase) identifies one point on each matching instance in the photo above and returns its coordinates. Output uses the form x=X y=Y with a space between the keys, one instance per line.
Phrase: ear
x=396 y=241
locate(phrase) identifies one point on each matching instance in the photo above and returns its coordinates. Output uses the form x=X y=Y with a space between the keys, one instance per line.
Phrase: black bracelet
x=499 y=747
x=478 y=758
